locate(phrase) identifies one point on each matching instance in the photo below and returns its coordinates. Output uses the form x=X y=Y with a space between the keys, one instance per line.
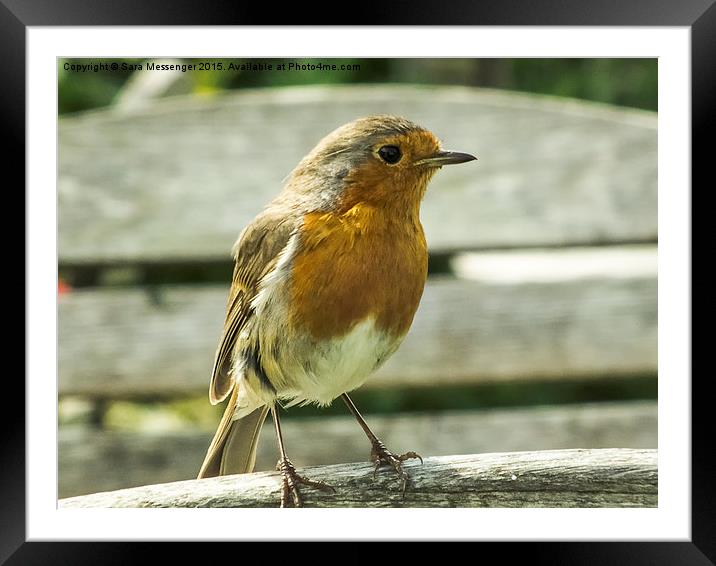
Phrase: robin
x=326 y=282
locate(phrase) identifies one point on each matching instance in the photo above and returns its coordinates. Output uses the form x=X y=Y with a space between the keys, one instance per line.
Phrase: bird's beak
x=441 y=158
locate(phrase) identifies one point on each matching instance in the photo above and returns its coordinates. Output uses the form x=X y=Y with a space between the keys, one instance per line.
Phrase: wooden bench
x=559 y=478
x=543 y=265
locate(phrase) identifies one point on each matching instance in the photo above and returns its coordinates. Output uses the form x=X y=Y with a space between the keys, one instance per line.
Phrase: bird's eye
x=390 y=154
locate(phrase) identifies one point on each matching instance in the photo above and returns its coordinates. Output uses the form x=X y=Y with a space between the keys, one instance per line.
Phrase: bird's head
x=381 y=161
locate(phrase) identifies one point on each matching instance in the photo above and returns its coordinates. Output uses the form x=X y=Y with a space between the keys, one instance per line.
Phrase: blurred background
x=538 y=325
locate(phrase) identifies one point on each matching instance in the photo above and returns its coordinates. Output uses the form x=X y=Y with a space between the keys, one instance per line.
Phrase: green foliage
x=626 y=82
x=197 y=412
x=85 y=90
x=493 y=395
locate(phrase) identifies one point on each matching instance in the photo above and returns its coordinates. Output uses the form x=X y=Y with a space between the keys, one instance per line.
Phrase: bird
x=326 y=282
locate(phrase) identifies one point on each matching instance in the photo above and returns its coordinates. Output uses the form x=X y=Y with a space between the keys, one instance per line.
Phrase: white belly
x=333 y=367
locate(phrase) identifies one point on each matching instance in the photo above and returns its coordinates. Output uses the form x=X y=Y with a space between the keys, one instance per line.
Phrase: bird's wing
x=256 y=253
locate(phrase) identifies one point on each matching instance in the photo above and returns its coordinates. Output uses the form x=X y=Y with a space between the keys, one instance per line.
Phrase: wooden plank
x=564 y=478
x=92 y=460
x=180 y=178
x=128 y=342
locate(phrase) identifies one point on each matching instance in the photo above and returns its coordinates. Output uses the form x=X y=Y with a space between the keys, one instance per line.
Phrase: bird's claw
x=381 y=456
x=290 y=482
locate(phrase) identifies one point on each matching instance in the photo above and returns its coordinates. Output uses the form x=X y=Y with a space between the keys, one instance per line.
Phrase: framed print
x=544 y=381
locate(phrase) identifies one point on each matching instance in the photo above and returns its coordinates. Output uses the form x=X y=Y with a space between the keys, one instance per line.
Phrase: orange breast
x=355 y=264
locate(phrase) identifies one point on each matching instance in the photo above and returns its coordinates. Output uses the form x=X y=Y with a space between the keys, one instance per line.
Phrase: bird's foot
x=381 y=456
x=291 y=481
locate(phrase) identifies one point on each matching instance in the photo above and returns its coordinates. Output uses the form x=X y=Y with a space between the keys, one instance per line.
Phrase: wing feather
x=255 y=253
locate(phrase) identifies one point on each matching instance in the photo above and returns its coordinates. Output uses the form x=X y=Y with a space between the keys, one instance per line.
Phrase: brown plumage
x=326 y=282
x=356 y=265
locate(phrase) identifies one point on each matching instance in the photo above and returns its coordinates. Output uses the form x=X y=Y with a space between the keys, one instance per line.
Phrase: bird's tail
x=233 y=448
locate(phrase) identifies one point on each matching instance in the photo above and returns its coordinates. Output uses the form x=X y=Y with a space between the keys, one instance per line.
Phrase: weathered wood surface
x=564 y=478
x=92 y=460
x=602 y=320
x=180 y=178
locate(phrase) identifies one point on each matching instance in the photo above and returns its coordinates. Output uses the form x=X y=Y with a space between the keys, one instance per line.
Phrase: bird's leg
x=291 y=479
x=379 y=454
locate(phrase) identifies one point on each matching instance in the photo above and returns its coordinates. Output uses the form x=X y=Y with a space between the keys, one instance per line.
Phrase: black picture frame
x=698 y=15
